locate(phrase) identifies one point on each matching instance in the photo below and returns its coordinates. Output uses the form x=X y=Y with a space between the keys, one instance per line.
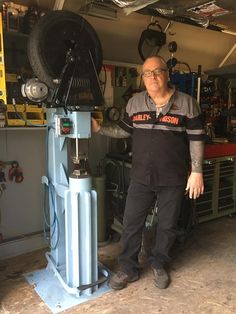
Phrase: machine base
x=50 y=290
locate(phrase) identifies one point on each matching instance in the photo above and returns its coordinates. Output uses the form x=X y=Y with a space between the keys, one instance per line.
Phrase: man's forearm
x=197 y=155
x=113 y=131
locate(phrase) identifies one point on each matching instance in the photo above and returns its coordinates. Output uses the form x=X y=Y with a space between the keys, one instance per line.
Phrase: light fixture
x=100 y=10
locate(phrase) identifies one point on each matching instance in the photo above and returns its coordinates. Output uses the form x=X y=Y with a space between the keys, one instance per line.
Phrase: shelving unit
x=23 y=128
x=22 y=221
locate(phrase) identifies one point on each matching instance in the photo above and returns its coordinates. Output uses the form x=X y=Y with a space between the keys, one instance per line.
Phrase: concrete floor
x=203 y=275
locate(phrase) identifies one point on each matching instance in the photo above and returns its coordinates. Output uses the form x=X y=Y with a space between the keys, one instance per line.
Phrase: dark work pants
x=138 y=203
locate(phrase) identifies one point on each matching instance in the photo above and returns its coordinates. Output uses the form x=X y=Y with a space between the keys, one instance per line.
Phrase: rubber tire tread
x=36 y=53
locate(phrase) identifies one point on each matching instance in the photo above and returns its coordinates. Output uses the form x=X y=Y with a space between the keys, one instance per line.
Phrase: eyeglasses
x=155 y=72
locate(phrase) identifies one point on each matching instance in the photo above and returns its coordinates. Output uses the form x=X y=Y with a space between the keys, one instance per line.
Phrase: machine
x=66 y=56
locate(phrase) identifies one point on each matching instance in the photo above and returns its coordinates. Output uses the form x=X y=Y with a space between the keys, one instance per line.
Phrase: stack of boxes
x=15 y=114
x=25 y=115
x=35 y=114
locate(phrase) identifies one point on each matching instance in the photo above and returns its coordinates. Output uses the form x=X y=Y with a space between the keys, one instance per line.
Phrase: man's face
x=155 y=75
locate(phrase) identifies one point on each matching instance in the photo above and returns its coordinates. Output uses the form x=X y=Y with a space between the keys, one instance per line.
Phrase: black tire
x=48 y=43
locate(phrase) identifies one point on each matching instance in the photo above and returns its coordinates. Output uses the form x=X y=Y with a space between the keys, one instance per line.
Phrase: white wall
x=21 y=203
x=196 y=45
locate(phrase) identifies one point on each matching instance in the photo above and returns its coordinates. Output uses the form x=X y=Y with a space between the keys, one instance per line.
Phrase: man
x=167 y=154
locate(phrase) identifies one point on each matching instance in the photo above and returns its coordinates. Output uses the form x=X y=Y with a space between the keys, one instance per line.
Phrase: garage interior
x=197 y=38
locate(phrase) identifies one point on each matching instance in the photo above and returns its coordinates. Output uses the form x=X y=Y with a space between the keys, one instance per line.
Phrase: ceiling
x=211 y=14
x=197 y=44
x=219 y=15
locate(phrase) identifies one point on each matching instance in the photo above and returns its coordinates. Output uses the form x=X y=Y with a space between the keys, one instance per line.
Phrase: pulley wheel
x=53 y=36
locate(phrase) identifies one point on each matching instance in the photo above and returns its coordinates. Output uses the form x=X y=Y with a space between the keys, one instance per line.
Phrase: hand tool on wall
x=15 y=172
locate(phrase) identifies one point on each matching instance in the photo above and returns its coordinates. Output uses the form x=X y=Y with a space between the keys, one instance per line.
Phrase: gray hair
x=157 y=58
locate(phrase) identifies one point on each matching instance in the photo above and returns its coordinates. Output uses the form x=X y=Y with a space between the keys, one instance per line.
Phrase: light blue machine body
x=73 y=210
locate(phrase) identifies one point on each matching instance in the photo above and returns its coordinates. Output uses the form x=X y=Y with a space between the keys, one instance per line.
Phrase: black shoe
x=161 y=278
x=120 y=280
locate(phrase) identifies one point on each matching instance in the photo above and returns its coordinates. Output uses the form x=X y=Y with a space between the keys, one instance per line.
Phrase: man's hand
x=195 y=185
x=95 y=126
